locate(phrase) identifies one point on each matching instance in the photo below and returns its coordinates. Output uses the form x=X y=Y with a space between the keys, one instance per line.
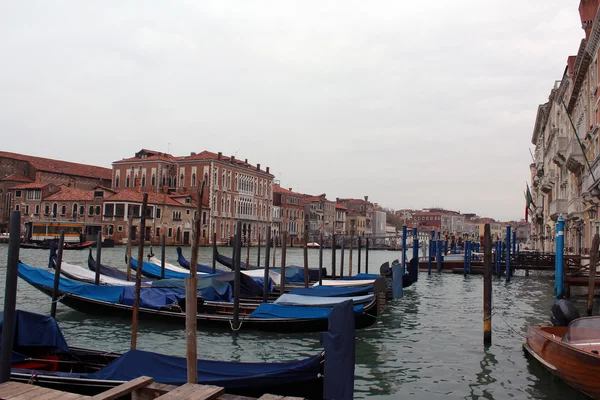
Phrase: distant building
x=292 y=212
x=379 y=224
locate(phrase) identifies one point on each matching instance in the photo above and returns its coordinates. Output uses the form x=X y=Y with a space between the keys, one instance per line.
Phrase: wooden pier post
x=163 y=255
x=367 y=257
x=342 y=257
x=283 y=251
x=404 y=232
x=267 y=259
x=592 y=278
x=214 y=252
x=507 y=271
x=248 y=247
x=305 y=247
x=415 y=250
x=191 y=296
x=10 y=296
x=258 y=251
x=431 y=252
x=98 y=256
x=487 y=285
x=138 y=274
x=321 y=258
x=333 y=252
x=350 y=255
x=61 y=243
x=558 y=265
x=129 y=245
x=438 y=257
x=359 y=251
x=238 y=274
x=275 y=250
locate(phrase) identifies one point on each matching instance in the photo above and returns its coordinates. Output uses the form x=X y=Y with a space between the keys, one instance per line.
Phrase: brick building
x=236 y=190
x=17 y=169
x=359 y=216
x=292 y=212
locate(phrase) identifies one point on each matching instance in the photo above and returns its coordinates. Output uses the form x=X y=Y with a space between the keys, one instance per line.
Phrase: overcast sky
x=415 y=104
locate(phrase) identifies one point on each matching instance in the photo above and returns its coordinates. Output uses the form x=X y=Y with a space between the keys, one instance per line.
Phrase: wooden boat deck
x=140 y=389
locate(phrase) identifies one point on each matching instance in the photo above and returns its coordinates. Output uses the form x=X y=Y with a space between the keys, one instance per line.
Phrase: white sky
x=415 y=104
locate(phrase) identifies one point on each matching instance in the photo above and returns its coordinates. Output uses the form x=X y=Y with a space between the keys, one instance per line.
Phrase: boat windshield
x=583 y=331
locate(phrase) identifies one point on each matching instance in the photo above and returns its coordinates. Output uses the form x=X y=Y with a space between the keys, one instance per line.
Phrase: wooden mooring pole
x=305 y=249
x=10 y=296
x=367 y=257
x=267 y=260
x=487 y=285
x=283 y=250
x=163 y=255
x=359 y=251
x=61 y=243
x=258 y=251
x=98 y=256
x=128 y=251
x=214 y=251
x=592 y=278
x=237 y=245
x=191 y=296
x=350 y=256
x=248 y=240
x=138 y=274
x=342 y=257
x=333 y=251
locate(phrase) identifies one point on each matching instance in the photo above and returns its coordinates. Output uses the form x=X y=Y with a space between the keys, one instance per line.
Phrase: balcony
x=548 y=181
x=562 y=143
x=539 y=167
x=558 y=207
x=590 y=181
x=575 y=209
x=574 y=156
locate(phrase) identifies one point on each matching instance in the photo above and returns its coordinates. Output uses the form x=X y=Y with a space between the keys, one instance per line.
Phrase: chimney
x=165 y=189
x=290 y=189
x=232 y=159
x=267 y=170
x=246 y=161
x=219 y=154
x=587 y=13
x=193 y=153
x=258 y=167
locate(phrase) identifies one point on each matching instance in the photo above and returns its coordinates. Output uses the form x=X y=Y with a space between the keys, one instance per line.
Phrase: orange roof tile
x=150 y=155
x=16 y=178
x=32 y=185
x=61 y=167
x=71 y=194
x=209 y=155
x=279 y=189
x=340 y=207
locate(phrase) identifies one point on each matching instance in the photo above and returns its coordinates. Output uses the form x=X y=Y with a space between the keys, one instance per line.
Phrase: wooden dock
x=142 y=388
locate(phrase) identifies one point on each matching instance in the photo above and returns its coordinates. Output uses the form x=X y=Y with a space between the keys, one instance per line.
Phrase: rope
x=59 y=298
x=33 y=378
x=238 y=328
x=507 y=324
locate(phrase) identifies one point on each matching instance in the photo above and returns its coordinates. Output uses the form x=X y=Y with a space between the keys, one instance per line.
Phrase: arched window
x=117 y=182
x=54 y=210
x=143 y=180
x=193 y=179
x=153 y=180
x=182 y=183
x=164 y=180
x=75 y=209
x=126 y=181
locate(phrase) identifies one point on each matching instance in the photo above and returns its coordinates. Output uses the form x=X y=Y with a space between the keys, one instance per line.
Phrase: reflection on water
x=428 y=345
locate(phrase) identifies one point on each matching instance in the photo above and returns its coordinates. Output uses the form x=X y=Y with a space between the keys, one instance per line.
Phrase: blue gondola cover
x=338 y=342
x=35 y=330
x=270 y=311
x=333 y=291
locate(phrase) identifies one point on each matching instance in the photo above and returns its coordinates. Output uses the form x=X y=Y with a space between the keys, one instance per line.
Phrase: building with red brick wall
x=173 y=217
x=428 y=219
x=235 y=189
x=16 y=169
x=359 y=215
x=322 y=216
x=292 y=212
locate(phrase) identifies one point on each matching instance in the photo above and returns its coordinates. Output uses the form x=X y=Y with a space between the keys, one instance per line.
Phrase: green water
x=427 y=345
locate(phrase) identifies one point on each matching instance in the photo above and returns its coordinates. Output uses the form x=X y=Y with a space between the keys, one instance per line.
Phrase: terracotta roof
x=71 y=194
x=16 y=178
x=62 y=167
x=153 y=198
x=150 y=155
x=32 y=185
x=310 y=198
x=279 y=189
x=209 y=155
x=341 y=207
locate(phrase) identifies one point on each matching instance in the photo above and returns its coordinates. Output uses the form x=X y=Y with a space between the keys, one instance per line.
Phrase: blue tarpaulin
x=209 y=288
x=360 y=277
x=154 y=271
x=152 y=298
x=173 y=370
x=292 y=274
x=269 y=311
x=289 y=299
x=42 y=277
x=333 y=291
x=35 y=330
x=338 y=342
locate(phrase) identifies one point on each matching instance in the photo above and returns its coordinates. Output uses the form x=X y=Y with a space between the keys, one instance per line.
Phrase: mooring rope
x=507 y=324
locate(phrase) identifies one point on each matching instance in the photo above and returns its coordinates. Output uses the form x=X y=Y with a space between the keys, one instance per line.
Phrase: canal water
x=427 y=345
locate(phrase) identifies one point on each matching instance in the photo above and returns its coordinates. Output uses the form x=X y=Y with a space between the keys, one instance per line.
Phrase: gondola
x=169 y=306
x=42 y=357
x=569 y=348
x=47 y=245
x=313 y=273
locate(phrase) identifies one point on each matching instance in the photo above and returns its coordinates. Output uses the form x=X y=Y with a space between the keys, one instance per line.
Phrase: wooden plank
x=11 y=389
x=270 y=397
x=192 y=391
x=152 y=391
x=124 y=388
x=45 y=393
